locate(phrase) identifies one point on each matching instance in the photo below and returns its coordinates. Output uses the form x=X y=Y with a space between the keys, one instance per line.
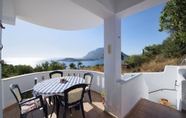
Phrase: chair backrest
x=88 y=78
x=74 y=95
x=55 y=74
x=14 y=88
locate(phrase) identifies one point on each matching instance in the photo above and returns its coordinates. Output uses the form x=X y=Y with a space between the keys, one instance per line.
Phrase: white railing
x=27 y=81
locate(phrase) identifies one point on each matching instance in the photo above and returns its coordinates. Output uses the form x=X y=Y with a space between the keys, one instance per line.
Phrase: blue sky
x=25 y=40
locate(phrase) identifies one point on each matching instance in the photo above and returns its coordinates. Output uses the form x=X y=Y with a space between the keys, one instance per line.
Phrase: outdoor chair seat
x=29 y=104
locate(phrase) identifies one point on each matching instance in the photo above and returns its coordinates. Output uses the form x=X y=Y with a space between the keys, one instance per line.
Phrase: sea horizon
x=37 y=61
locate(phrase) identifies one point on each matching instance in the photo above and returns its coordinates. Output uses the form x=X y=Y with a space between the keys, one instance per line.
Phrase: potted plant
x=103 y=97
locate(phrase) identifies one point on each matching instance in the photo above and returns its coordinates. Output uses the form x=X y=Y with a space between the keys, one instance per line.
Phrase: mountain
x=99 y=54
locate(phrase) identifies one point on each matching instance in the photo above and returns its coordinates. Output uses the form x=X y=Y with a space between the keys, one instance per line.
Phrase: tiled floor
x=147 y=109
x=94 y=110
x=143 y=109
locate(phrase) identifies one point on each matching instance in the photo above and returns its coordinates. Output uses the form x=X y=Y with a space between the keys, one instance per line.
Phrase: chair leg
x=23 y=115
x=45 y=110
x=57 y=108
x=82 y=109
x=89 y=94
x=64 y=112
x=70 y=112
x=50 y=100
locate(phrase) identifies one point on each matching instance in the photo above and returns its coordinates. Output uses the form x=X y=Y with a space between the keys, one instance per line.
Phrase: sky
x=29 y=41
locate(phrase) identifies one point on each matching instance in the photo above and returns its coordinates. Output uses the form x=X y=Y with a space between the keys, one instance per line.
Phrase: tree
x=38 y=68
x=8 y=70
x=79 y=64
x=24 y=69
x=54 y=65
x=45 y=66
x=173 y=19
x=72 y=66
x=135 y=60
x=173 y=48
x=149 y=52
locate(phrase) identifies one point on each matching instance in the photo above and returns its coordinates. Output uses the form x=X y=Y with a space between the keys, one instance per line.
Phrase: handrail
x=166 y=88
x=162 y=90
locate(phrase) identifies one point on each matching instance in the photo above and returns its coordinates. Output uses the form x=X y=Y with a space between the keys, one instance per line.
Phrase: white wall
x=162 y=80
x=27 y=81
x=132 y=91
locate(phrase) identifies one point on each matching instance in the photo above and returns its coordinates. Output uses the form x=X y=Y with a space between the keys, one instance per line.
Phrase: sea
x=38 y=61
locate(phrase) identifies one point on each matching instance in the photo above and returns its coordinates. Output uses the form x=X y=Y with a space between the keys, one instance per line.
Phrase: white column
x=112 y=64
x=1 y=96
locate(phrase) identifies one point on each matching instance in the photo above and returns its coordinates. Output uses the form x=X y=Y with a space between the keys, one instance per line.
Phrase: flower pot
x=164 y=102
x=103 y=101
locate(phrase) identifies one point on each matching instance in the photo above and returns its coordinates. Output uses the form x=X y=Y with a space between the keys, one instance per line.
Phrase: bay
x=38 y=61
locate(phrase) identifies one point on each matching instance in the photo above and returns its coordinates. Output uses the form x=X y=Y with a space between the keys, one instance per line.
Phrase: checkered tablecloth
x=54 y=86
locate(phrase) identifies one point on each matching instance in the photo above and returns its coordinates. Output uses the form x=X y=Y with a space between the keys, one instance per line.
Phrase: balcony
x=134 y=86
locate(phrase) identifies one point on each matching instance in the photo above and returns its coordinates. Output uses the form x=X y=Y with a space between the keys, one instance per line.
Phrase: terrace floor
x=143 y=109
x=94 y=110
x=148 y=109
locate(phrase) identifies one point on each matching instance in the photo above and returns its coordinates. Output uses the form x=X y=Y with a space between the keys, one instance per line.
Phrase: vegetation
x=72 y=66
x=10 y=70
x=173 y=19
x=79 y=64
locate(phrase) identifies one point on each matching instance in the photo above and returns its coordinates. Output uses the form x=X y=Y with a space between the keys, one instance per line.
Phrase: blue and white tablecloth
x=55 y=87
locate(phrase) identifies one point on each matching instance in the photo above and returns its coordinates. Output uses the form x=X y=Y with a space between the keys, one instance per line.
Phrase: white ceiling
x=71 y=14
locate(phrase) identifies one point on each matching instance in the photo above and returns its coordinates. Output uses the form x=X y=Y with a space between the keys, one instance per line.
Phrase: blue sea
x=85 y=63
x=36 y=61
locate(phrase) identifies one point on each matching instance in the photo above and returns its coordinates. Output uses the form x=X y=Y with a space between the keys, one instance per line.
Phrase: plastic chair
x=54 y=74
x=88 y=80
x=29 y=104
x=73 y=97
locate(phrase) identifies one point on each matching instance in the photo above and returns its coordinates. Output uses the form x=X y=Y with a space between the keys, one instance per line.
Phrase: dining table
x=54 y=86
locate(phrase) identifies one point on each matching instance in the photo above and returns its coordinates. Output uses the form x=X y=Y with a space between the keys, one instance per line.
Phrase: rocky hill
x=99 y=54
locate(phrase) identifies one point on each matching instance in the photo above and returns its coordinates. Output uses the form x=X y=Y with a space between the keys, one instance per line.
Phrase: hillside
x=99 y=54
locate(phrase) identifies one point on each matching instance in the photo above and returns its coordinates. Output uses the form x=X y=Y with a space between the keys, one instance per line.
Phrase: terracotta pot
x=164 y=102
